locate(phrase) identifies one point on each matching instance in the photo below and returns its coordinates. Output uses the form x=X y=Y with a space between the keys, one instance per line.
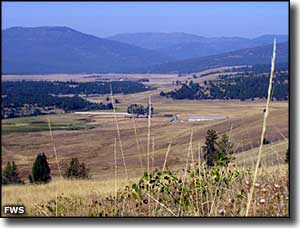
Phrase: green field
x=40 y=123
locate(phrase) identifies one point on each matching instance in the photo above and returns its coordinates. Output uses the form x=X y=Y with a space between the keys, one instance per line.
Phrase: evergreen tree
x=109 y=106
x=224 y=151
x=136 y=109
x=76 y=170
x=265 y=141
x=210 y=147
x=11 y=174
x=40 y=170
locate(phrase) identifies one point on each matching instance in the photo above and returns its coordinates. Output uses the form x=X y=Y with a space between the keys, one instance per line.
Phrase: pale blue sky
x=246 y=19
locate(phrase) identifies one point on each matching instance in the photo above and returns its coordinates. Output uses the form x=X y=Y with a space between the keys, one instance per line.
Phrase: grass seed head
x=262 y=201
x=222 y=211
x=277 y=186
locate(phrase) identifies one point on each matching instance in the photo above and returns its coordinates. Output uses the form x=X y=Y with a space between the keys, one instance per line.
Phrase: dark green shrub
x=40 y=170
x=11 y=174
x=224 y=151
x=217 y=152
x=76 y=170
x=265 y=141
x=210 y=147
x=137 y=109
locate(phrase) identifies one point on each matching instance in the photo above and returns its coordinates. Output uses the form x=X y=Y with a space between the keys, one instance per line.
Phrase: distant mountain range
x=46 y=50
x=183 y=45
x=248 y=56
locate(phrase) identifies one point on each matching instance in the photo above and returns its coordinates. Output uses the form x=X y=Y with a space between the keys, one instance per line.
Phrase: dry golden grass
x=30 y=195
x=97 y=198
x=156 y=80
x=135 y=146
x=95 y=146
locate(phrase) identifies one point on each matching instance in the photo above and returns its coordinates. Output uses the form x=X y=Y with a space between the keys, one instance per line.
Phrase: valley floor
x=93 y=139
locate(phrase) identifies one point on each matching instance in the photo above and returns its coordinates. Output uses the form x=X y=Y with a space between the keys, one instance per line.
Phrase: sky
x=102 y=19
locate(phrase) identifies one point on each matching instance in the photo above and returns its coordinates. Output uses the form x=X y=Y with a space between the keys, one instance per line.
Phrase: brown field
x=159 y=80
x=95 y=146
x=91 y=138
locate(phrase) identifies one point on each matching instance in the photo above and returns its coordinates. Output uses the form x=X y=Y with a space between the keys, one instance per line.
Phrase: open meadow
x=115 y=147
x=145 y=109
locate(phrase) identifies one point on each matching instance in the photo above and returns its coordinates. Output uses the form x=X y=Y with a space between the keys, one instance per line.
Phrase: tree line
x=71 y=87
x=20 y=98
x=139 y=109
x=234 y=87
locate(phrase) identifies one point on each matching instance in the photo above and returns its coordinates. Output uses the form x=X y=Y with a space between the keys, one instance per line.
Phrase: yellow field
x=91 y=138
x=30 y=195
x=95 y=146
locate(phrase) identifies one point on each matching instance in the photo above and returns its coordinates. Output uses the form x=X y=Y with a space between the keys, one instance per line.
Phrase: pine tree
x=11 y=174
x=83 y=171
x=40 y=170
x=209 y=148
x=224 y=151
x=76 y=170
x=136 y=109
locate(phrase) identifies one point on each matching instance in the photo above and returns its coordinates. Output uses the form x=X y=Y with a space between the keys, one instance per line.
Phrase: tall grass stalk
x=148 y=149
x=54 y=148
x=115 y=158
x=118 y=133
x=138 y=143
x=195 y=181
x=149 y=134
x=161 y=204
x=152 y=154
x=166 y=157
x=185 y=172
x=57 y=162
x=266 y=114
x=163 y=169
x=199 y=169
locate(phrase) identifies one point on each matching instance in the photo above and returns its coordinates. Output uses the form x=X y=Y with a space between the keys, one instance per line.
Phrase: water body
x=205 y=118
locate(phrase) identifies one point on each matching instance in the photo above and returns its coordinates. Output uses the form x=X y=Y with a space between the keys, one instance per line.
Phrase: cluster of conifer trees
x=243 y=87
x=17 y=96
x=41 y=171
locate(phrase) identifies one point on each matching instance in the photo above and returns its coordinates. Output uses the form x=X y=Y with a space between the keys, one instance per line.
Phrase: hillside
x=248 y=56
x=49 y=50
x=45 y=50
x=156 y=40
x=183 y=45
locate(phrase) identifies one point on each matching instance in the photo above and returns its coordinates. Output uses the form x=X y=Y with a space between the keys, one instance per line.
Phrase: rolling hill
x=46 y=50
x=183 y=45
x=49 y=50
x=248 y=56
x=156 y=40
